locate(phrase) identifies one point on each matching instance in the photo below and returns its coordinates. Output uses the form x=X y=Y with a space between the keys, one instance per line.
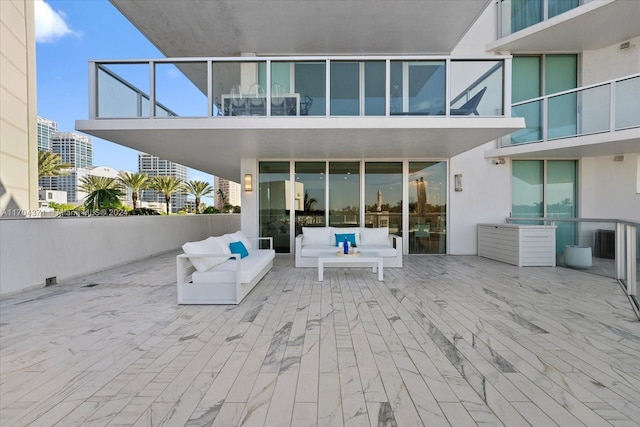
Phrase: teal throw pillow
x=350 y=237
x=238 y=248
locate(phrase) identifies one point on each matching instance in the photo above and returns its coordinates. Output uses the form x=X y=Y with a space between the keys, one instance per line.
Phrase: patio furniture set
x=224 y=269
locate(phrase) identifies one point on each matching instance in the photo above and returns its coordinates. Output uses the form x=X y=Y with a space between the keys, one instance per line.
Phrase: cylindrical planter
x=577 y=256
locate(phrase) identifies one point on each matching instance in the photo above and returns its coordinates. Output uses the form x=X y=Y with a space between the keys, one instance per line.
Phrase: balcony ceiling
x=571 y=31
x=198 y=28
x=216 y=145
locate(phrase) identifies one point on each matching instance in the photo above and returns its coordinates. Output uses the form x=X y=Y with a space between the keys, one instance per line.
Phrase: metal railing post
x=632 y=284
x=620 y=251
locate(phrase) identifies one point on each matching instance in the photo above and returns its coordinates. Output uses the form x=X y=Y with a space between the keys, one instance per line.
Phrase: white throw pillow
x=239 y=236
x=344 y=230
x=208 y=246
x=316 y=236
x=374 y=236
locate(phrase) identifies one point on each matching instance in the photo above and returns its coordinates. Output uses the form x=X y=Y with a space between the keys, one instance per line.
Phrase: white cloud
x=50 y=24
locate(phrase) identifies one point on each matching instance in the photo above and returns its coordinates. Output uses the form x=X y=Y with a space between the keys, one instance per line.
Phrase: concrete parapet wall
x=32 y=250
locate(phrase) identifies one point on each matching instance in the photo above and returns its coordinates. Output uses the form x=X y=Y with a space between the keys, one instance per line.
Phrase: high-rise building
x=46 y=129
x=155 y=166
x=18 y=123
x=73 y=148
x=230 y=189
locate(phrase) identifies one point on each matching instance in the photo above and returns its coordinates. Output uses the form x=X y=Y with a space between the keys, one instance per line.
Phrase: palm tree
x=50 y=164
x=136 y=182
x=102 y=192
x=198 y=189
x=166 y=185
x=222 y=198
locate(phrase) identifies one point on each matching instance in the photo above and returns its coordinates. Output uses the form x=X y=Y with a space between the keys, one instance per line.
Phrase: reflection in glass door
x=383 y=195
x=274 y=203
x=344 y=194
x=311 y=184
x=427 y=207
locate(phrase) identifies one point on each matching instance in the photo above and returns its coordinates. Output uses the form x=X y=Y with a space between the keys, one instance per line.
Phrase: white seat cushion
x=314 y=251
x=225 y=273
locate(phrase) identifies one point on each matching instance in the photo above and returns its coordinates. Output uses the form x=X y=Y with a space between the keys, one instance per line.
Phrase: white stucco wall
x=249 y=210
x=619 y=63
x=482 y=32
x=485 y=197
x=609 y=189
x=32 y=250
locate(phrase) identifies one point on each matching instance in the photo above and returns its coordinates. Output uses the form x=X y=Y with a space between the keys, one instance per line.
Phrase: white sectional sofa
x=209 y=273
x=321 y=240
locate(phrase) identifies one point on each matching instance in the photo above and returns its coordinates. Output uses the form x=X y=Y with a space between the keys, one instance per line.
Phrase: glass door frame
x=405 y=194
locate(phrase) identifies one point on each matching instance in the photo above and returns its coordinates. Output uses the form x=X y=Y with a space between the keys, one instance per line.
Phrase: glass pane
x=561 y=73
x=525 y=80
x=283 y=101
x=345 y=89
x=476 y=88
x=562 y=116
x=527 y=188
x=123 y=90
x=561 y=199
x=344 y=194
x=532 y=113
x=557 y=7
x=525 y=13
x=594 y=105
x=237 y=90
x=628 y=103
x=175 y=89
x=427 y=207
x=310 y=188
x=417 y=87
x=383 y=196
x=374 y=88
x=310 y=83
x=274 y=203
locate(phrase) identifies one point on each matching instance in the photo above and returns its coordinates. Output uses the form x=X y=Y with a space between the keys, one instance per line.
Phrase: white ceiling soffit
x=595 y=25
x=595 y=145
x=216 y=146
x=204 y=28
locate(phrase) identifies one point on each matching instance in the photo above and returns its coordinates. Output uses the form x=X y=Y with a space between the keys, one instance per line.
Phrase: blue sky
x=69 y=33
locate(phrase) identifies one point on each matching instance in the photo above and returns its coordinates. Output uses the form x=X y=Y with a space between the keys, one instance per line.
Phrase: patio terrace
x=446 y=340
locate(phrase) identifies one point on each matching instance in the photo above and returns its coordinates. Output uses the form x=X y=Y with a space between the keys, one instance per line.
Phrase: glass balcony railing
x=305 y=86
x=605 y=107
x=605 y=247
x=516 y=15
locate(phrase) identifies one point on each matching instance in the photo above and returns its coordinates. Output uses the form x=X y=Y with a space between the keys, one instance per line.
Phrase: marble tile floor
x=446 y=340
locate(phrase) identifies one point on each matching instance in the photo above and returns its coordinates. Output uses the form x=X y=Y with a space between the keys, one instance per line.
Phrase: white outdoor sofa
x=315 y=241
x=208 y=273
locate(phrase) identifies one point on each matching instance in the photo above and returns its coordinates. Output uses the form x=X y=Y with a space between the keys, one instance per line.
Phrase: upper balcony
x=594 y=120
x=559 y=26
x=302 y=107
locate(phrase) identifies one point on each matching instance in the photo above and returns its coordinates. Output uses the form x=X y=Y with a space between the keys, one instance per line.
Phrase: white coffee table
x=364 y=259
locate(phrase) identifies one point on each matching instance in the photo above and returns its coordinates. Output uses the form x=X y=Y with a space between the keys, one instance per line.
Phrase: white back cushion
x=316 y=236
x=239 y=236
x=374 y=236
x=204 y=247
x=344 y=230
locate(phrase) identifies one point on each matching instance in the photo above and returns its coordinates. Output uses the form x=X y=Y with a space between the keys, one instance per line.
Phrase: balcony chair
x=237 y=105
x=257 y=100
x=278 y=101
x=305 y=106
x=471 y=106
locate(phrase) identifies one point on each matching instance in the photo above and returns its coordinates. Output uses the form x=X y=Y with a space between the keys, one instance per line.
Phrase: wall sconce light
x=248 y=182
x=458 y=181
